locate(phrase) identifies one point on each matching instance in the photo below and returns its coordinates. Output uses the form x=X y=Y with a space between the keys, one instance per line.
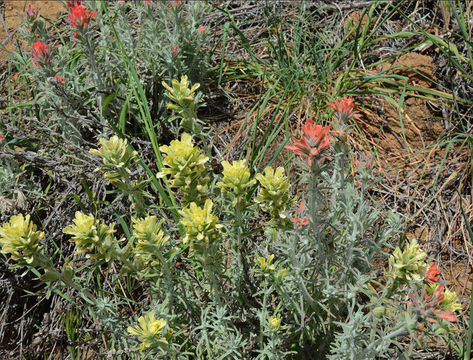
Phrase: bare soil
x=14 y=10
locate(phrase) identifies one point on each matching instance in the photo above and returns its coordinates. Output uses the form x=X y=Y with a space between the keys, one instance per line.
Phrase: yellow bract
x=265 y=264
x=150 y=238
x=149 y=230
x=450 y=300
x=200 y=225
x=275 y=322
x=149 y=330
x=180 y=91
x=185 y=103
x=19 y=238
x=185 y=166
x=90 y=235
x=273 y=196
x=407 y=265
x=116 y=158
x=236 y=178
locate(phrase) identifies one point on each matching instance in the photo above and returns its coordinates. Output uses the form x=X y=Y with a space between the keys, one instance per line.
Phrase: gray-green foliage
x=8 y=178
x=97 y=88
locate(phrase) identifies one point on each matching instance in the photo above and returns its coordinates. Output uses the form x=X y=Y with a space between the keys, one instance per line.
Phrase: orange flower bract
x=344 y=109
x=40 y=52
x=300 y=222
x=314 y=140
x=79 y=15
x=433 y=274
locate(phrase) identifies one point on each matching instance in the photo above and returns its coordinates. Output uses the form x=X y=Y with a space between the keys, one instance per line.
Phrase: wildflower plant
x=185 y=102
x=236 y=182
x=218 y=281
x=148 y=249
x=273 y=196
x=201 y=226
x=91 y=59
x=314 y=141
x=407 y=265
x=265 y=264
x=20 y=240
x=93 y=237
x=150 y=331
x=185 y=168
x=118 y=162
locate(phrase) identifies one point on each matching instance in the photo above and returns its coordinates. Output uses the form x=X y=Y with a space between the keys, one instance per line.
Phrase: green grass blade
x=146 y=118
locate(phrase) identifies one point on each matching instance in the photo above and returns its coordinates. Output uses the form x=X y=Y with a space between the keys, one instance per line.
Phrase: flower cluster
x=344 y=109
x=59 y=79
x=296 y=219
x=19 y=238
x=408 y=268
x=273 y=196
x=435 y=304
x=185 y=100
x=175 y=2
x=236 y=180
x=367 y=163
x=117 y=159
x=150 y=240
x=97 y=238
x=201 y=227
x=175 y=50
x=433 y=274
x=40 y=53
x=315 y=139
x=407 y=265
x=31 y=13
x=275 y=322
x=186 y=167
x=79 y=15
x=150 y=331
x=265 y=264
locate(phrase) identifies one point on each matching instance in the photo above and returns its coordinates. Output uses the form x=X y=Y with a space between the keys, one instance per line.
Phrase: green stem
x=396 y=333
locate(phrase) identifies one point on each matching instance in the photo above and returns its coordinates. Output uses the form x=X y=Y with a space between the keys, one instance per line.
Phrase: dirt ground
x=14 y=10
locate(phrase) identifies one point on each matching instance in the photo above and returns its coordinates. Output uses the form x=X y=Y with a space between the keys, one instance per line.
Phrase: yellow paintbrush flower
x=236 y=179
x=149 y=330
x=185 y=167
x=90 y=235
x=273 y=196
x=200 y=224
x=407 y=265
x=150 y=239
x=117 y=159
x=19 y=239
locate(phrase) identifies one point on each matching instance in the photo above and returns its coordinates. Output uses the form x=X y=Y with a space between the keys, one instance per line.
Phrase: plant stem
x=399 y=332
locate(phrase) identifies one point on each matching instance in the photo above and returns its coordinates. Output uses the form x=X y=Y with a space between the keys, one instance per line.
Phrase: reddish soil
x=13 y=14
x=418 y=128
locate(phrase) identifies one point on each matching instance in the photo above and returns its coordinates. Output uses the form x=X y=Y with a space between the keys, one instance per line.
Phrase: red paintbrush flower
x=79 y=15
x=430 y=308
x=433 y=274
x=59 y=79
x=31 y=13
x=297 y=219
x=40 y=52
x=344 y=109
x=314 y=140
